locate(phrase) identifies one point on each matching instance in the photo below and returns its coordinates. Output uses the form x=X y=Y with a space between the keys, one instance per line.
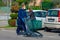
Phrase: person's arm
x=19 y=13
x=25 y=14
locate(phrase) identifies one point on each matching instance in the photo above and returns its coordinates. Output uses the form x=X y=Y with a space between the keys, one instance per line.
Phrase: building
x=38 y=2
x=35 y=3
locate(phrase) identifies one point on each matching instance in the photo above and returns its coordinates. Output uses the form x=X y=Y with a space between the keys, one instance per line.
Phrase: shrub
x=35 y=7
x=47 y=5
x=14 y=8
x=13 y=15
x=12 y=22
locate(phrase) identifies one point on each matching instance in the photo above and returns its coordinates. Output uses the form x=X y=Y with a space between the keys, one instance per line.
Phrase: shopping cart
x=32 y=30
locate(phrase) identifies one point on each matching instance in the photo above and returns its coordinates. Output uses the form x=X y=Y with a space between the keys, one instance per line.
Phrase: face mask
x=24 y=7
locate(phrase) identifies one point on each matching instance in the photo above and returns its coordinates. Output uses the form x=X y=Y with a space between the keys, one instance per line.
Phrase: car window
x=40 y=14
x=53 y=13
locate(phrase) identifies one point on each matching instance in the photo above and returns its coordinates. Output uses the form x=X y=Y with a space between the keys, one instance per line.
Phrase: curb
x=7 y=28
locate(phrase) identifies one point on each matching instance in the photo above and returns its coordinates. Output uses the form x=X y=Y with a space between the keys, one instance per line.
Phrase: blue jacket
x=22 y=13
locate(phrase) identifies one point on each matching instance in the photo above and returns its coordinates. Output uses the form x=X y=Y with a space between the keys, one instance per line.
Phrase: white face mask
x=24 y=7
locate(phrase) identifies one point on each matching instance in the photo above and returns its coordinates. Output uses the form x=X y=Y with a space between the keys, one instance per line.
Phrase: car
x=52 y=19
x=40 y=16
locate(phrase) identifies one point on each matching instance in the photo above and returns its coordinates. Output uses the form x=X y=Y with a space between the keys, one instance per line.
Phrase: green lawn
x=9 y=27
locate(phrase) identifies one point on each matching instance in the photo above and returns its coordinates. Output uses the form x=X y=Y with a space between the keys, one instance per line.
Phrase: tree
x=56 y=3
x=47 y=0
x=47 y=5
x=0 y=2
x=23 y=1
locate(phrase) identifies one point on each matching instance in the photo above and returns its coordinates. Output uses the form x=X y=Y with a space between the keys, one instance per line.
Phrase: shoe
x=27 y=35
x=18 y=33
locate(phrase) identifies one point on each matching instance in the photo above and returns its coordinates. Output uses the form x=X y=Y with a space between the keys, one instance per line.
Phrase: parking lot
x=11 y=35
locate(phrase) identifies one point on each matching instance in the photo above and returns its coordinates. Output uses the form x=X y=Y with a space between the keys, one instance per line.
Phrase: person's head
x=30 y=9
x=23 y=6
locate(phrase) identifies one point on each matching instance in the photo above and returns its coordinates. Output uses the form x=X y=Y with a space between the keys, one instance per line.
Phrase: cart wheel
x=27 y=35
x=37 y=35
x=45 y=29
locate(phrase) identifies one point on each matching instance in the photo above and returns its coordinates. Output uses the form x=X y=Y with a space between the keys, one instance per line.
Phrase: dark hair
x=30 y=9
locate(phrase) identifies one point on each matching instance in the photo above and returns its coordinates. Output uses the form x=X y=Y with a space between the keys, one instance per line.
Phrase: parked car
x=40 y=16
x=53 y=19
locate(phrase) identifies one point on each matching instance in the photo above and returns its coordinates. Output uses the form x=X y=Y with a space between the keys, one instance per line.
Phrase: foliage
x=12 y=22
x=47 y=5
x=15 y=8
x=1 y=3
x=20 y=1
x=47 y=0
x=13 y=15
x=23 y=1
x=36 y=7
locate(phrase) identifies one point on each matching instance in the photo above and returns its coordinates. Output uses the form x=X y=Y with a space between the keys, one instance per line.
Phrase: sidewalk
x=4 y=28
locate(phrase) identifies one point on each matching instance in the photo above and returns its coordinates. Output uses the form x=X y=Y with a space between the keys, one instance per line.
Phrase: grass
x=9 y=26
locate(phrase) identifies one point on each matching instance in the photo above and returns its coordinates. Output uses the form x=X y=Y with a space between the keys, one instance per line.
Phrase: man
x=21 y=19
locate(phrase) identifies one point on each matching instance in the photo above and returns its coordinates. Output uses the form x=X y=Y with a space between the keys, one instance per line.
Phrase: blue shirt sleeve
x=25 y=14
x=22 y=13
x=19 y=13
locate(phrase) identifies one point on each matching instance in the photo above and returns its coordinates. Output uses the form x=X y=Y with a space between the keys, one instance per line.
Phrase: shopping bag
x=37 y=24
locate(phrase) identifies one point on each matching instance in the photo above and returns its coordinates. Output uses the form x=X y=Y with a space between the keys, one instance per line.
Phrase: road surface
x=11 y=35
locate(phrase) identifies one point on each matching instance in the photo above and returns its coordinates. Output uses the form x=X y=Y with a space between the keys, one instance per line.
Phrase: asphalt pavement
x=11 y=35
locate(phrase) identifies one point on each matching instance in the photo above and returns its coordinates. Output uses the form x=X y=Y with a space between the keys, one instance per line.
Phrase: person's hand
x=28 y=17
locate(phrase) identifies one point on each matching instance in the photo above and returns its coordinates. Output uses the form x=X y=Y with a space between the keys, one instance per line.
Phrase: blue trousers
x=20 y=26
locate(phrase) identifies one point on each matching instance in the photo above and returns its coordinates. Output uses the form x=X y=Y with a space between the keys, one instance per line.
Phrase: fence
x=4 y=16
x=4 y=9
